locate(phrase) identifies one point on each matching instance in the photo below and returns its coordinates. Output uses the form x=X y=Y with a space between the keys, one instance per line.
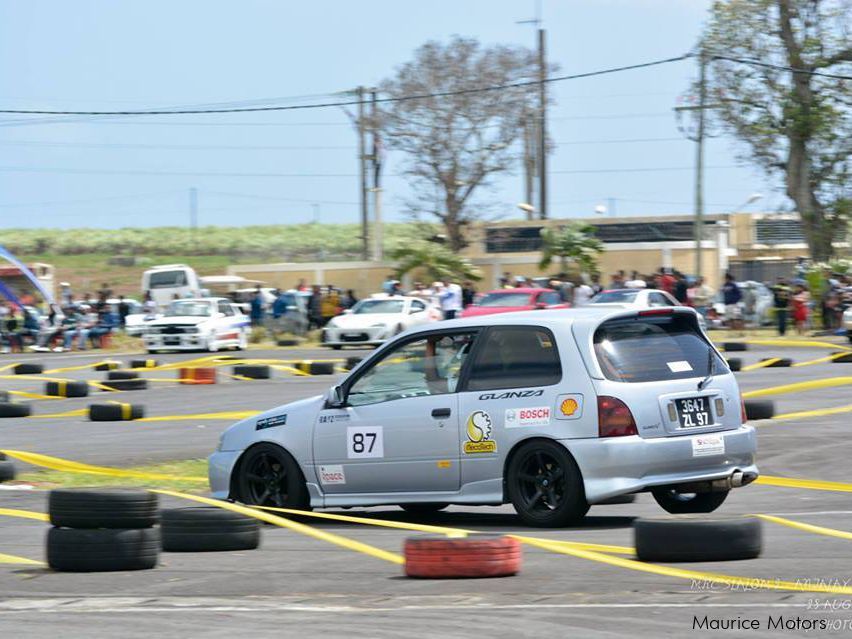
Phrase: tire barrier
x=102 y=550
x=115 y=412
x=352 y=362
x=28 y=369
x=734 y=363
x=11 y=409
x=107 y=366
x=67 y=389
x=843 y=358
x=207 y=529
x=445 y=558
x=731 y=347
x=253 y=371
x=759 y=408
x=697 y=538
x=126 y=384
x=144 y=363
x=315 y=368
x=194 y=375
x=122 y=374
x=102 y=508
x=288 y=342
x=778 y=362
x=7 y=470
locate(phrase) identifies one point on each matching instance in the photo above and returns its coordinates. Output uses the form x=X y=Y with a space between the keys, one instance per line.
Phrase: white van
x=170 y=280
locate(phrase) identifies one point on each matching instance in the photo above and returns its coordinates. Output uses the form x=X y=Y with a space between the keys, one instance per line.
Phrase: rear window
x=167 y=279
x=653 y=349
x=505 y=299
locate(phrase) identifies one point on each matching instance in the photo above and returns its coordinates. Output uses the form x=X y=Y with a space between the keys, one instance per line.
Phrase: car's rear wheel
x=688 y=503
x=545 y=485
x=269 y=476
x=422 y=509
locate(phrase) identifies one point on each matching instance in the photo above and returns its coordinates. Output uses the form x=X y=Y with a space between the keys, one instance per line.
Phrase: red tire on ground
x=470 y=557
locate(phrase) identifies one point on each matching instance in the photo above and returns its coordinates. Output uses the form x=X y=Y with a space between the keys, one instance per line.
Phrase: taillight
x=614 y=418
x=655 y=311
x=743 y=410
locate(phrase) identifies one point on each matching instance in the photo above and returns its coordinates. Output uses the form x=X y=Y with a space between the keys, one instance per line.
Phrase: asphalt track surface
x=299 y=586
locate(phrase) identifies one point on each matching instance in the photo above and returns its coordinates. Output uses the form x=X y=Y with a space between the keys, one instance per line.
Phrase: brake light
x=614 y=418
x=743 y=410
x=656 y=311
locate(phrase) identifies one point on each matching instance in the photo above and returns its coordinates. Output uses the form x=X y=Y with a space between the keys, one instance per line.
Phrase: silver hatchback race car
x=552 y=411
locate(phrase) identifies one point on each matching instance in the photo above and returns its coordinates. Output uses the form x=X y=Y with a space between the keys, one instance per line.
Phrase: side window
x=516 y=357
x=427 y=366
x=657 y=299
x=225 y=308
x=550 y=298
x=417 y=306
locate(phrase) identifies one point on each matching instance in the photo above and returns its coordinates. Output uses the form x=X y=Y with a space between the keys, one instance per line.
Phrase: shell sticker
x=569 y=407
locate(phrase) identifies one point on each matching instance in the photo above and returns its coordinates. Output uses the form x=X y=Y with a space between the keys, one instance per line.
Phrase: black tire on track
x=115 y=412
x=317 y=368
x=687 y=538
x=102 y=508
x=119 y=374
x=731 y=347
x=352 y=362
x=846 y=358
x=67 y=389
x=207 y=529
x=759 y=408
x=253 y=371
x=7 y=470
x=144 y=363
x=288 y=342
x=28 y=368
x=783 y=362
x=127 y=384
x=735 y=363
x=11 y=409
x=107 y=366
x=104 y=550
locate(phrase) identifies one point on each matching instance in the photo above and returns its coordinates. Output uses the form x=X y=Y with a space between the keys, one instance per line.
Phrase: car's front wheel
x=545 y=485
x=688 y=503
x=269 y=476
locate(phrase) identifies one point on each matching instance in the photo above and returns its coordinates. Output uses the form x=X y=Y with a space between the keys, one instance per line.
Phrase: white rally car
x=372 y=321
x=208 y=323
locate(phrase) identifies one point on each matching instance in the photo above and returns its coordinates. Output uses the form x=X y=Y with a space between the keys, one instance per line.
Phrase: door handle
x=441 y=413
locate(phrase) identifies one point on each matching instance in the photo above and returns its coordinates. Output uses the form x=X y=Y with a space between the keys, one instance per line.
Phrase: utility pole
x=376 y=159
x=193 y=213
x=542 y=128
x=362 y=164
x=529 y=161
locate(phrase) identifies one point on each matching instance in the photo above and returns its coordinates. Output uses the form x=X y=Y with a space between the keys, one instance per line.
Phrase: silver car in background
x=552 y=411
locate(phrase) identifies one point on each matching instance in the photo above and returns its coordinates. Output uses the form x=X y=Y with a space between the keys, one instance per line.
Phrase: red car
x=515 y=299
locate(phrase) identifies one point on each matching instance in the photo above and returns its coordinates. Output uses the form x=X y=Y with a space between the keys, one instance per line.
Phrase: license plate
x=172 y=341
x=694 y=412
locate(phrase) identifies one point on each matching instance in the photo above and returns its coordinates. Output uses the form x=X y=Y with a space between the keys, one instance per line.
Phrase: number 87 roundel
x=364 y=441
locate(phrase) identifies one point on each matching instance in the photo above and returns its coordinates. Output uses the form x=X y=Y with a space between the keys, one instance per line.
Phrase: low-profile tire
x=7 y=470
x=206 y=529
x=126 y=384
x=735 y=363
x=144 y=363
x=759 y=408
x=253 y=371
x=423 y=509
x=67 y=389
x=731 y=347
x=545 y=485
x=268 y=475
x=114 y=375
x=102 y=508
x=697 y=538
x=469 y=557
x=781 y=362
x=115 y=412
x=688 y=503
x=28 y=368
x=104 y=550
x=11 y=409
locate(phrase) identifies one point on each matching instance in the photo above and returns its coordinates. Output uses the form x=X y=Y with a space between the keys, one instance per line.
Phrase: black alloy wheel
x=688 y=503
x=545 y=485
x=269 y=476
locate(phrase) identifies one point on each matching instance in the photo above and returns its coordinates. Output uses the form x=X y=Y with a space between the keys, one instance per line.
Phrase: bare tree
x=795 y=124
x=454 y=143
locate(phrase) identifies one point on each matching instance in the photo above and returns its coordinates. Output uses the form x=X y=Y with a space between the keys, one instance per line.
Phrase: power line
x=171 y=147
x=780 y=67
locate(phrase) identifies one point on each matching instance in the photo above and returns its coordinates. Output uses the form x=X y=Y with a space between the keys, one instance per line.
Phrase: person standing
x=315 y=307
x=732 y=296
x=596 y=285
x=256 y=308
x=635 y=281
x=681 y=289
x=781 y=301
x=451 y=299
x=801 y=300
x=330 y=304
x=468 y=294
x=701 y=296
x=582 y=293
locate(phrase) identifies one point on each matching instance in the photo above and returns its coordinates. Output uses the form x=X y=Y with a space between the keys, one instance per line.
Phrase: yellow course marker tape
x=815 y=413
x=79 y=412
x=810 y=484
x=828 y=382
x=290 y=369
x=763 y=364
x=55 y=463
x=33 y=395
x=820 y=360
x=798 y=525
x=13 y=559
x=25 y=514
x=796 y=343
x=344 y=542
x=236 y=415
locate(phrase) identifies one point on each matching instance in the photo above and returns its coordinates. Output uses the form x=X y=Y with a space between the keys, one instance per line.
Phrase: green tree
x=794 y=124
x=572 y=243
x=439 y=262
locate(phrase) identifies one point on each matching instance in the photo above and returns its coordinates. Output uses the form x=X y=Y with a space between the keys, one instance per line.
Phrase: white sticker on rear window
x=681 y=366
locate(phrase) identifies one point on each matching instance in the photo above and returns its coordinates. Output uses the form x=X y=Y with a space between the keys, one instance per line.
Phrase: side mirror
x=335 y=397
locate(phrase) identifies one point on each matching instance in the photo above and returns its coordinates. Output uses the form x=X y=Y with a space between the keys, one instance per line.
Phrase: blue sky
x=125 y=171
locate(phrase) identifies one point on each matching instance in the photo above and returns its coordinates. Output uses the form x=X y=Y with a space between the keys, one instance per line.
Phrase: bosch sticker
x=535 y=416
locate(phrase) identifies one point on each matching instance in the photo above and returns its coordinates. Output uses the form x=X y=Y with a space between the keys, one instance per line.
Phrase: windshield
x=167 y=279
x=505 y=299
x=378 y=306
x=189 y=308
x=654 y=349
x=623 y=296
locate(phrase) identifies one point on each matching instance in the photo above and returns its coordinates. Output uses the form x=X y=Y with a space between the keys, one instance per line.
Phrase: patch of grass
x=176 y=469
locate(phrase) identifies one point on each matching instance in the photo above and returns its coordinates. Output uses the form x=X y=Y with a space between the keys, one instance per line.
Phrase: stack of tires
x=100 y=530
x=208 y=529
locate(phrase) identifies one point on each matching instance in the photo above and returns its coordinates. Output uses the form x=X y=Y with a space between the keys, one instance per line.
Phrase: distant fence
x=762 y=270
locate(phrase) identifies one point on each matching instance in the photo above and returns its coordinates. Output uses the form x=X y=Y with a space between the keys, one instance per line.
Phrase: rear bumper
x=620 y=465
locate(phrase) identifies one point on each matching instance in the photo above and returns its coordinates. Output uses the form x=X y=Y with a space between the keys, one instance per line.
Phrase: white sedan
x=640 y=298
x=372 y=321
x=208 y=323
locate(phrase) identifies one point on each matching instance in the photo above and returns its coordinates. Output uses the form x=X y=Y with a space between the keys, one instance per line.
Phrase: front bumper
x=182 y=341
x=374 y=335
x=219 y=467
x=619 y=465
